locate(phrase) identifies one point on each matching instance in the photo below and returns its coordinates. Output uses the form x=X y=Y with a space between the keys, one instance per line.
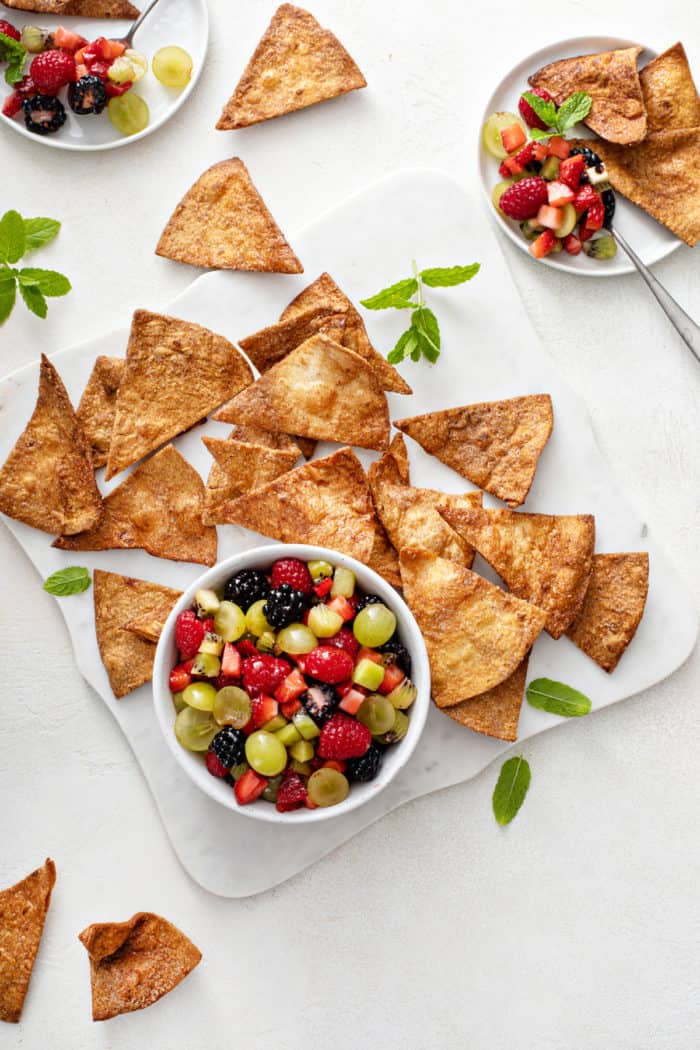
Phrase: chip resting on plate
x=268 y=346
x=48 y=479
x=660 y=176
x=176 y=374
x=399 y=453
x=497 y=711
x=98 y=405
x=544 y=559
x=617 y=111
x=158 y=508
x=320 y=390
x=222 y=223
x=86 y=8
x=613 y=607
x=475 y=633
x=23 y=909
x=324 y=294
x=128 y=659
x=669 y=91
x=296 y=64
x=135 y=963
x=495 y=445
x=241 y=466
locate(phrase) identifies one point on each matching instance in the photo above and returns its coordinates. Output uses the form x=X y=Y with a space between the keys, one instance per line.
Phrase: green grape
x=302 y=768
x=178 y=702
x=200 y=695
x=195 y=729
x=377 y=713
x=129 y=113
x=238 y=771
x=270 y=792
x=212 y=643
x=296 y=639
x=206 y=664
x=491 y=133
x=319 y=569
x=266 y=642
x=569 y=218
x=374 y=625
x=368 y=674
x=398 y=730
x=229 y=621
x=343 y=583
x=232 y=707
x=265 y=753
x=172 y=66
x=255 y=621
x=403 y=695
x=327 y=787
x=324 y=622
x=499 y=189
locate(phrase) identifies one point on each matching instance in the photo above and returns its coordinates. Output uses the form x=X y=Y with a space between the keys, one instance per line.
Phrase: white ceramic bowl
x=395 y=757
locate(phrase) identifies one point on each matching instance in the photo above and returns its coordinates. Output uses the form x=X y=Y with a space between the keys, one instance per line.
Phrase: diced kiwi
x=404 y=695
x=206 y=602
x=604 y=247
x=531 y=229
x=212 y=643
x=398 y=730
x=550 y=169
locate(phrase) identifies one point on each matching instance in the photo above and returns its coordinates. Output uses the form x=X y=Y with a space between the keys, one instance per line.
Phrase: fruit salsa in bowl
x=291 y=683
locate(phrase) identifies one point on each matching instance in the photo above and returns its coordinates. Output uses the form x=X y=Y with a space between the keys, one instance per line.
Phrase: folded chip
x=613 y=607
x=545 y=559
x=296 y=64
x=670 y=95
x=268 y=346
x=135 y=963
x=128 y=659
x=497 y=711
x=241 y=466
x=383 y=557
x=320 y=390
x=475 y=633
x=222 y=223
x=324 y=294
x=23 y=909
x=176 y=374
x=399 y=453
x=158 y=509
x=149 y=626
x=98 y=405
x=495 y=445
x=48 y=479
x=617 y=111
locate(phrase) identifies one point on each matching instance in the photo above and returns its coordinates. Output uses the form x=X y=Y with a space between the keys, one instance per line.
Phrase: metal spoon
x=129 y=38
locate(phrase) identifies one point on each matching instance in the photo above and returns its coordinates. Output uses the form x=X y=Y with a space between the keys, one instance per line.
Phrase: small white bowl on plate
x=395 y=757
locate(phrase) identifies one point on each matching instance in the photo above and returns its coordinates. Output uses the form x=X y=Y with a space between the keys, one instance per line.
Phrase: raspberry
x=12 y=105
x=524 y=199
x=346 y=640
x=9 y=30
x=26 y=88
x=291 y=794
x=527 y=112
x=52 y=70
x=343 y=737
x=189 y=632
x=214 y=766
x=263 y=673
x=246 y=647
x=329 y=664
x=293 y=572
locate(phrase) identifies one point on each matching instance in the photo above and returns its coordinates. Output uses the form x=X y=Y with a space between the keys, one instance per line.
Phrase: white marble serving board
x=489 y=351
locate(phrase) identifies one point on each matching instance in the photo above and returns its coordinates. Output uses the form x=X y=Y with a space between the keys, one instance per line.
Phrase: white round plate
x=650 y=239
x=181 y=22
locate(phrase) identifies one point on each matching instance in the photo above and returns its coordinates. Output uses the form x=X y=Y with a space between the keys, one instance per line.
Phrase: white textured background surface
x=577 y=927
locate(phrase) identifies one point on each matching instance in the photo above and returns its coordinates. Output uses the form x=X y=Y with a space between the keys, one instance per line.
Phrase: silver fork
x=129 y=38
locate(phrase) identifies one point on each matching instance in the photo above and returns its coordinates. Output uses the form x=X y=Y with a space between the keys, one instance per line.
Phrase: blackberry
x=367 y=766
x=368 y=599
x=399 y=654
x=609 y=202
x=246 y=587
x=320 y=701
x=284 y=605
x=88 y=95
x=229 y=746
x=43 y=114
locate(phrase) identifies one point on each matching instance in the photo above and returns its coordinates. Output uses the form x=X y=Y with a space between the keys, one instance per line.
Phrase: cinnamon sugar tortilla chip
x=101 y=9
x=176 y=373
x=268 y=346
x=240 y=467
x=135 y=963
x=399 y=453
x=308 y=393
x=475 y=633
x=617 y=112
x=670 y=95
x=149 y=626
x=496 y=712
x=495 y=445
x=42 y=7
x=23 y=909
x=158 y=508
x=48 y=480
x=98 y=405
x=544 y=559
x=223 y=223
x=613 y=607
x=127 y=658
x=296 y=64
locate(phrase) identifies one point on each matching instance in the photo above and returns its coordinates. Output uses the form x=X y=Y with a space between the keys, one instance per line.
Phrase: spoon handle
x=684 y=325
x=129 y=38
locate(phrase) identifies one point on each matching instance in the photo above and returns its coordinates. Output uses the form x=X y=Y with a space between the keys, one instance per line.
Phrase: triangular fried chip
x=660 y=176
x=495 y=445
x=223 y=223
x=101 y=9
x=149 y=625
x=135 y=963
x=399 y=453
x=176 y=374
x=240 y=467
x=497 y=711
x=296 y=64
x=326 y=502
x=670 y=95
x=128 y=659
x=324 y=294
x=41 y=7
x=613 y=606
x=268 y=346
x=23 y=909
x=545 y=559
x=610 y=77
x=475 y=633
x=48 y=480
x=98 y=405
x=320 y=390
x=158 y=509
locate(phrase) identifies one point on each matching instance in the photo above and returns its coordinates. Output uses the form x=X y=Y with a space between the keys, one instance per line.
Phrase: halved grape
x=265 y=753
x=398 y=730
x=172 y=66
x=343 y=583
x=266 y=642
x=499 y=189
x=270 y=792
x=327 y=787
x=255 y=618
x=200 y=695
x=324 y=622
x=229 y=621
x=568 y=221
x=232 y=707
x=374 y=625
x=296 y=639
x=195 y=729
x=178 y=702
x=129 y=113
x=377 y=713
x=491 y=132
x=238 y=771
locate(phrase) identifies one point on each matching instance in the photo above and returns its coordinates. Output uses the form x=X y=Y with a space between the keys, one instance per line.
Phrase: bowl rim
x=411 y=636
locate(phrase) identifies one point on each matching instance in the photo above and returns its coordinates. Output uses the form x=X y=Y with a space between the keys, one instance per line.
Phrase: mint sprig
x=12 y=52
x=422 y=337
x=572 y=111
x=73 y=580
x=17 y=237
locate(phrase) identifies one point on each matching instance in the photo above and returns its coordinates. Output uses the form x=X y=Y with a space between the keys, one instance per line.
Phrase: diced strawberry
x=352 y=701
x=393 y=676
x=264 y=708
x=300 y=660
x=572 y=244
x=79 y=55
x=222 y=680
x=68 y=40
x=249 y=787
x=180 y=677
x=321 y=589
x=543 y=245
x=541 y=151
x=342 y=606
x=513 y=138
x=12 y=105
x=511 y=166
x=292 y=687
x=81 y=70
x=105 y=49
x=231 y=661
x=559 y=147
x=584 y=234
x=369 y=654
x=98 y=68
x=559 y=194
x=504 y=170
x=114 y=90
x=334 y=763
x=548 y=216
x=590 y=201
x=571 y=169
x=290 y=707
x=309 y=804
x=246 y=648
x=595 y=216
x=585 y=196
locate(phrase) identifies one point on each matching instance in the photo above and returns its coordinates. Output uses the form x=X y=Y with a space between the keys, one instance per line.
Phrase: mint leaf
x=448 y=276
x=12 y=238
x=537 y=134
x=33 y=299
x=12 y=52
x=573 y=109
x=48 y=282
x=546 y=111
x=427 y=331
x=8 y=294
x=72 y=580
x=405 y=346
x=557 y=698
x=396 y=295
x=39 y=231
x=511 y=789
